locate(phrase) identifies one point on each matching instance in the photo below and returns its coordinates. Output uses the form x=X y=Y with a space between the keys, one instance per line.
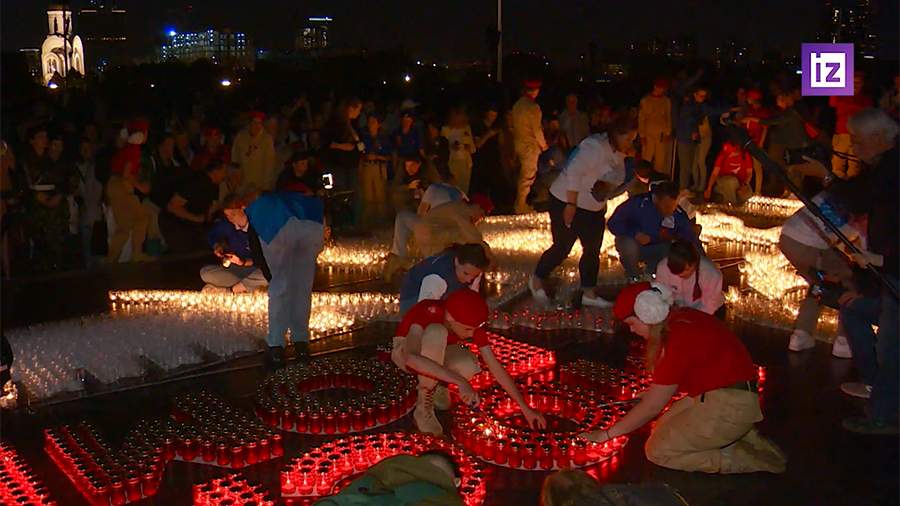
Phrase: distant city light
x=152 y=85
x=225 y=83
x=53 y=86
x=418 y=62
x=171 y=32
x=325 y=19
x=798 y=72
x=407 y=78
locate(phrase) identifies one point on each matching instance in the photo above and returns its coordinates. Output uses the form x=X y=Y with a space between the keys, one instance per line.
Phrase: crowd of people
x=261 y=204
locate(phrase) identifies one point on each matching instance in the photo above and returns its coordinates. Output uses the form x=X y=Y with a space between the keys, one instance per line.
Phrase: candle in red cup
x=302 y=421
x=117 y=494
x=223 y=455
x=315 y=423
x=252 y=454
x=287 y=420
x=133 y=488
x=275 y=447
x=149 y=484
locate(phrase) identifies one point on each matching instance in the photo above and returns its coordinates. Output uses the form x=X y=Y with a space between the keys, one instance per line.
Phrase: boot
x=424 y=416
x=442 y=398
x=300 y=351
x=753 y=453
x=274 y=357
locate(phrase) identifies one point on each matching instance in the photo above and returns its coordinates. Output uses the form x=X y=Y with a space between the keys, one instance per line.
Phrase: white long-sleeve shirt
x=593 y=160
x=710 y=279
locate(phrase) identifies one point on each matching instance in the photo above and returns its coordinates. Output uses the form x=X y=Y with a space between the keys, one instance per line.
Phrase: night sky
x=453 y=30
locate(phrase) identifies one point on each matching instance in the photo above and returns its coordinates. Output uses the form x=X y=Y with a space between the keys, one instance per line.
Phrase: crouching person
x=712 y=430
x=429 y=341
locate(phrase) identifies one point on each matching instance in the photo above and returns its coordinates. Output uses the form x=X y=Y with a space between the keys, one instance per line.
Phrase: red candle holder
x=330 y=467
x=306 y=398
x=519 y=359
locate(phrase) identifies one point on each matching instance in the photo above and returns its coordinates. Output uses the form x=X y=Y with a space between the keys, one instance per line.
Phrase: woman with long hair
x=711 y=429
x=341 y=144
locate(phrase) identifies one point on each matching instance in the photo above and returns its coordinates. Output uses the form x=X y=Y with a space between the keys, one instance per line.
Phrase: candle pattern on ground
x=231 y=490
x=203 y=429
x=496 y=432
x=335 y=396
x=18 y=484
x=322 y=470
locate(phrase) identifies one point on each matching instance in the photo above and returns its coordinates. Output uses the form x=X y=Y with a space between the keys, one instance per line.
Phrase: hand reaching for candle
x=535 y=419
x=468 y=394
x=597 y=436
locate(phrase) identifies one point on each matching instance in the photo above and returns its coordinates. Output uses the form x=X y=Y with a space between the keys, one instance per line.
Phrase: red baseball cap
x=138 y=125
x=754 y=94
x=467 y=307
x=661 y=82
x=257 y=115
x=532 y=84
x=624 y=306
x=482 y=201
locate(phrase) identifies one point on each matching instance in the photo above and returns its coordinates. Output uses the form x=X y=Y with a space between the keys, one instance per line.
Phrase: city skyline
x=455 y=31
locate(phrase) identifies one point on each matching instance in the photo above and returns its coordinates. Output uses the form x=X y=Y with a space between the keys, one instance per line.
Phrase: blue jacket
x=269 y=212
x=235 y=241
x=639 y=214
x=440 y=265
x=690 y=115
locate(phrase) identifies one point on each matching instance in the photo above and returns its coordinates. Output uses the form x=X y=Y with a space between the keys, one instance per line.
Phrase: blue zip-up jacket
x=236 y=241
x=639 y=214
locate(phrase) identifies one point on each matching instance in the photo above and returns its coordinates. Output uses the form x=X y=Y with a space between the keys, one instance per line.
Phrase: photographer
x=874 y=141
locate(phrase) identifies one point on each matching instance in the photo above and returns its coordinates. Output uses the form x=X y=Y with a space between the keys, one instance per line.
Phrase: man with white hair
x=873 y=136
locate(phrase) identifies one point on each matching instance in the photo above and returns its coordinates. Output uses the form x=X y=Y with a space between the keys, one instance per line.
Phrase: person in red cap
x=428 y=343
x=453 y=222
x=131 y=217
x=528 y=140
x=214 y=149
x=655 y=127
x=253 y=152
x=731 y=176
x=711 y=429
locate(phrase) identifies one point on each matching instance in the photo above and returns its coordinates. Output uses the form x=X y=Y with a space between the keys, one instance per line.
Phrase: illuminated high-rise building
x=314 y=35
x=219 y=46
x=852 y=21
x=102 y=23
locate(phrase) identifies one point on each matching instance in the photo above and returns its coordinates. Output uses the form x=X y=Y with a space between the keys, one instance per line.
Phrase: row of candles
x=381 y=394
x=319 y=471
x=496 y=432
x=231 y=490
x=518 y=358
x=18 y=484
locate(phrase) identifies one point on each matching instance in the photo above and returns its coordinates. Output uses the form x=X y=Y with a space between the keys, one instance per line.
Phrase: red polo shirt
x=845 y=107
x=734 y=161
x=701 y=354
x=428 y=312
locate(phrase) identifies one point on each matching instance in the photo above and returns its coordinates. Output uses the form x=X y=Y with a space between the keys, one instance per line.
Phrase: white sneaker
x=860 y=390
x=538 y=293
x=800 y=340
x=587 y=299
x=841 y=348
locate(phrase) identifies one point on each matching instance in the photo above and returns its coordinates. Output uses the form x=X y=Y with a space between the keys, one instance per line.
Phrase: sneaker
x=589 y=298
x=801 y=340
x=274 y=357
x=869 y=426
x=841 y=348
x=539 y=294
x=855 y=389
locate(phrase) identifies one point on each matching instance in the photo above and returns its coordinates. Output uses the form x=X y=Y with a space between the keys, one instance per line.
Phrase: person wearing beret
x=428 y=342
x=712 y=429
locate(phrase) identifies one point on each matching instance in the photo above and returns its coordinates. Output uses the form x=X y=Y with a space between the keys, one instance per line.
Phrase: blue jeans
x=876 y=356
x=631 y=253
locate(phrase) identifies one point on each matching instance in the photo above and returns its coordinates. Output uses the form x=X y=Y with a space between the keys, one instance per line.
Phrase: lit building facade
x=314 y=35
x=33 y=63
x=220 y=47
x=852 y=21
x=62 y=50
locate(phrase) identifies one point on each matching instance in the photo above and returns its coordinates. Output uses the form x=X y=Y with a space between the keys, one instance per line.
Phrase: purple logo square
x=827 y=69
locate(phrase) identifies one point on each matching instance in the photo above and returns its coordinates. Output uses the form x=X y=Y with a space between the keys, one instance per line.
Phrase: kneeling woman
x=286 y=236
x=459 y=266
x=712 y=430
x=428 y=343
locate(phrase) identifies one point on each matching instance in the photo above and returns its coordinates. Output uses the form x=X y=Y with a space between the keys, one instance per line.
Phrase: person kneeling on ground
x=646 y=225
x=712 y=429
x=695 y=280
x=453 y=222
x=431 y=478
x=428 y=342
x=459 y=266
x=236 y=272
x=286 y=235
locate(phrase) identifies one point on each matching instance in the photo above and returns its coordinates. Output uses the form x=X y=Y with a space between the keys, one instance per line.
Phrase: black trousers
x=587 y=227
